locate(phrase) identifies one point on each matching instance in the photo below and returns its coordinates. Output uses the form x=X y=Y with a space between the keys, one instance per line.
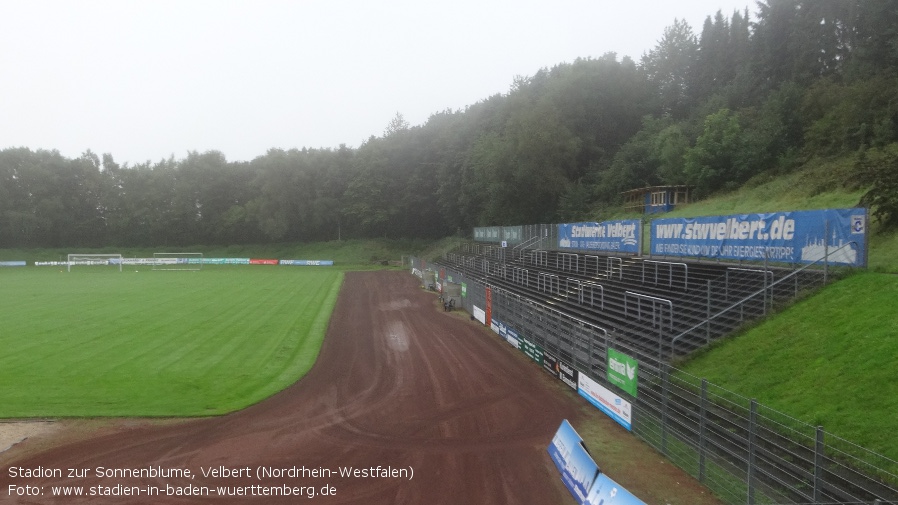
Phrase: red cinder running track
x=444 y=406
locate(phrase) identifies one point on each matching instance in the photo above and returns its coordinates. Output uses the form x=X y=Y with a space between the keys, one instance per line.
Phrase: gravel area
x=11 y=433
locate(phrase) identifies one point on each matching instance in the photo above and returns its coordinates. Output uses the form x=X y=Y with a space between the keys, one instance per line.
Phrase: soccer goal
x=183 y=261
x=94 y=260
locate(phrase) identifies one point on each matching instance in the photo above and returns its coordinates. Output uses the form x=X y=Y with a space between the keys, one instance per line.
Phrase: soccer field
x=108 y=343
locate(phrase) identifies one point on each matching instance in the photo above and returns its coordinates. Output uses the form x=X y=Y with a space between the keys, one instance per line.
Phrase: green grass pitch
x=98 y=342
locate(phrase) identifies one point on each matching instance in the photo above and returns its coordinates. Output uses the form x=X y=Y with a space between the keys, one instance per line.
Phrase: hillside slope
x=827 y=360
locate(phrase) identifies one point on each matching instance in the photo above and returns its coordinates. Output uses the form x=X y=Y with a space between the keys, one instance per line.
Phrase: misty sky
x=145 y=80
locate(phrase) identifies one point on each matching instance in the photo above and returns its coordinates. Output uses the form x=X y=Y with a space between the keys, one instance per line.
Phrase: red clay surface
x=398 y=384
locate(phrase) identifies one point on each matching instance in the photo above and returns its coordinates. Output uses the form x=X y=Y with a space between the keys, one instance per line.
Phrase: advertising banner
x=512 y=337
x=12 y=263
x=786 y=237
x=577 y=468
x=507 y=334
x=612 y=405
x=532 y=350
x=226 y=261
x=607 y=492
x=309 y=263
x=479 y=314
x=550 y=364
x=611 y=236
x=622 y=371
x=568 y=375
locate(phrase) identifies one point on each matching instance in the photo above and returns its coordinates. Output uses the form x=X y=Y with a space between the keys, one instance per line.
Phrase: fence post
x=752 y=428
x=702 y=431
x=708 y=316
x=665 y=385
x=826 y=252
x=765 y=283
x=818 y=464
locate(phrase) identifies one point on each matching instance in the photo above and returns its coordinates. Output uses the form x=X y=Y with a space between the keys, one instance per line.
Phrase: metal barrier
x=548 y=283
x=612 y=261
x=568 y=261
x=670 y=278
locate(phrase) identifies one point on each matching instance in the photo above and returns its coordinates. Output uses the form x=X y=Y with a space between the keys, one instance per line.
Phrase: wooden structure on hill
x=656 y=199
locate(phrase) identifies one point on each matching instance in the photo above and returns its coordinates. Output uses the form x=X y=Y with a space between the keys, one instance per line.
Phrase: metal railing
x=742 y=450
x=759 y=295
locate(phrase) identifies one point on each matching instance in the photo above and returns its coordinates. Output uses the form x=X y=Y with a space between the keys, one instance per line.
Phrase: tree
x=712 y=163
x=879 y=169
x=669 y=67
x=397 y=125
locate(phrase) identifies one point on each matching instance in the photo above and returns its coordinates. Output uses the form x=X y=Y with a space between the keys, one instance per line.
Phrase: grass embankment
x=104 y=343
x=828 y=360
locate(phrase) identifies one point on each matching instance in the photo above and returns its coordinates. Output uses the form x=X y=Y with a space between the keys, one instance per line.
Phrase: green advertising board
x=464 y=290
x=622 y=371
x=532 y=350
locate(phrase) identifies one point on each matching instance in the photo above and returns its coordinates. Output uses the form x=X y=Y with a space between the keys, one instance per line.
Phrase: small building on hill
x=656 y=199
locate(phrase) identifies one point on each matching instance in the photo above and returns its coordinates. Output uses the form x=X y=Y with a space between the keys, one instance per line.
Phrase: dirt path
x=455 y=415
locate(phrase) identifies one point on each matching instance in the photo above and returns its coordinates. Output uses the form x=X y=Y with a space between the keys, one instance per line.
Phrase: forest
x=746 y=94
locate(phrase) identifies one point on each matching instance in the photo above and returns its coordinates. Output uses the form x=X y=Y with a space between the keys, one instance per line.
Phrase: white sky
x=147 y=79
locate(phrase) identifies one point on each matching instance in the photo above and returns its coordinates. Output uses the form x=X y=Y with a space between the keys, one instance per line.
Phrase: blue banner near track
x=304 y=263
x=577 y=468
x=609 y=236
x=786 y=237
x=12 y=264
x=607 y=492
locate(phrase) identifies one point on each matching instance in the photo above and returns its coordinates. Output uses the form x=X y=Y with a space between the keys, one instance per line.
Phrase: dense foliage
x=751 y=93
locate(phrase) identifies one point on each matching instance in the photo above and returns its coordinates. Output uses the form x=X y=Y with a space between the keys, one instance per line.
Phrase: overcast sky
x=147 y=79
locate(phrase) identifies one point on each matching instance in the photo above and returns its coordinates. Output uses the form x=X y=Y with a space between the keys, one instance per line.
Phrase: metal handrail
x=763 y=290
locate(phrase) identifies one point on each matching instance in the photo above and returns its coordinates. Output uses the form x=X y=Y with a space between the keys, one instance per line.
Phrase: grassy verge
x=104 y=343
x=827 y=360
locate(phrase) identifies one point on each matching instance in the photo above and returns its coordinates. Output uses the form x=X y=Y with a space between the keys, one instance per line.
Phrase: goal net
x=95 y=260
x=178 y=261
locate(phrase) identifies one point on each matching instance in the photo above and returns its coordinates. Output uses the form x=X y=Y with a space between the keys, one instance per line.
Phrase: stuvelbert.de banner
x=838 y=235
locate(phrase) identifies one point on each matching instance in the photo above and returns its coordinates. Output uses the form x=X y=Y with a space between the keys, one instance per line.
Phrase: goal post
x=180 y=261
x=93 y=260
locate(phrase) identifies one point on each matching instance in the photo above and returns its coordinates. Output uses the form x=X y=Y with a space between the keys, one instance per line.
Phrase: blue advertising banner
x=307 y=263
x=610 y=236
x=577 y=468
x=786 y=237
x=607 y=492
x=512 y=337
x=12 y=264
